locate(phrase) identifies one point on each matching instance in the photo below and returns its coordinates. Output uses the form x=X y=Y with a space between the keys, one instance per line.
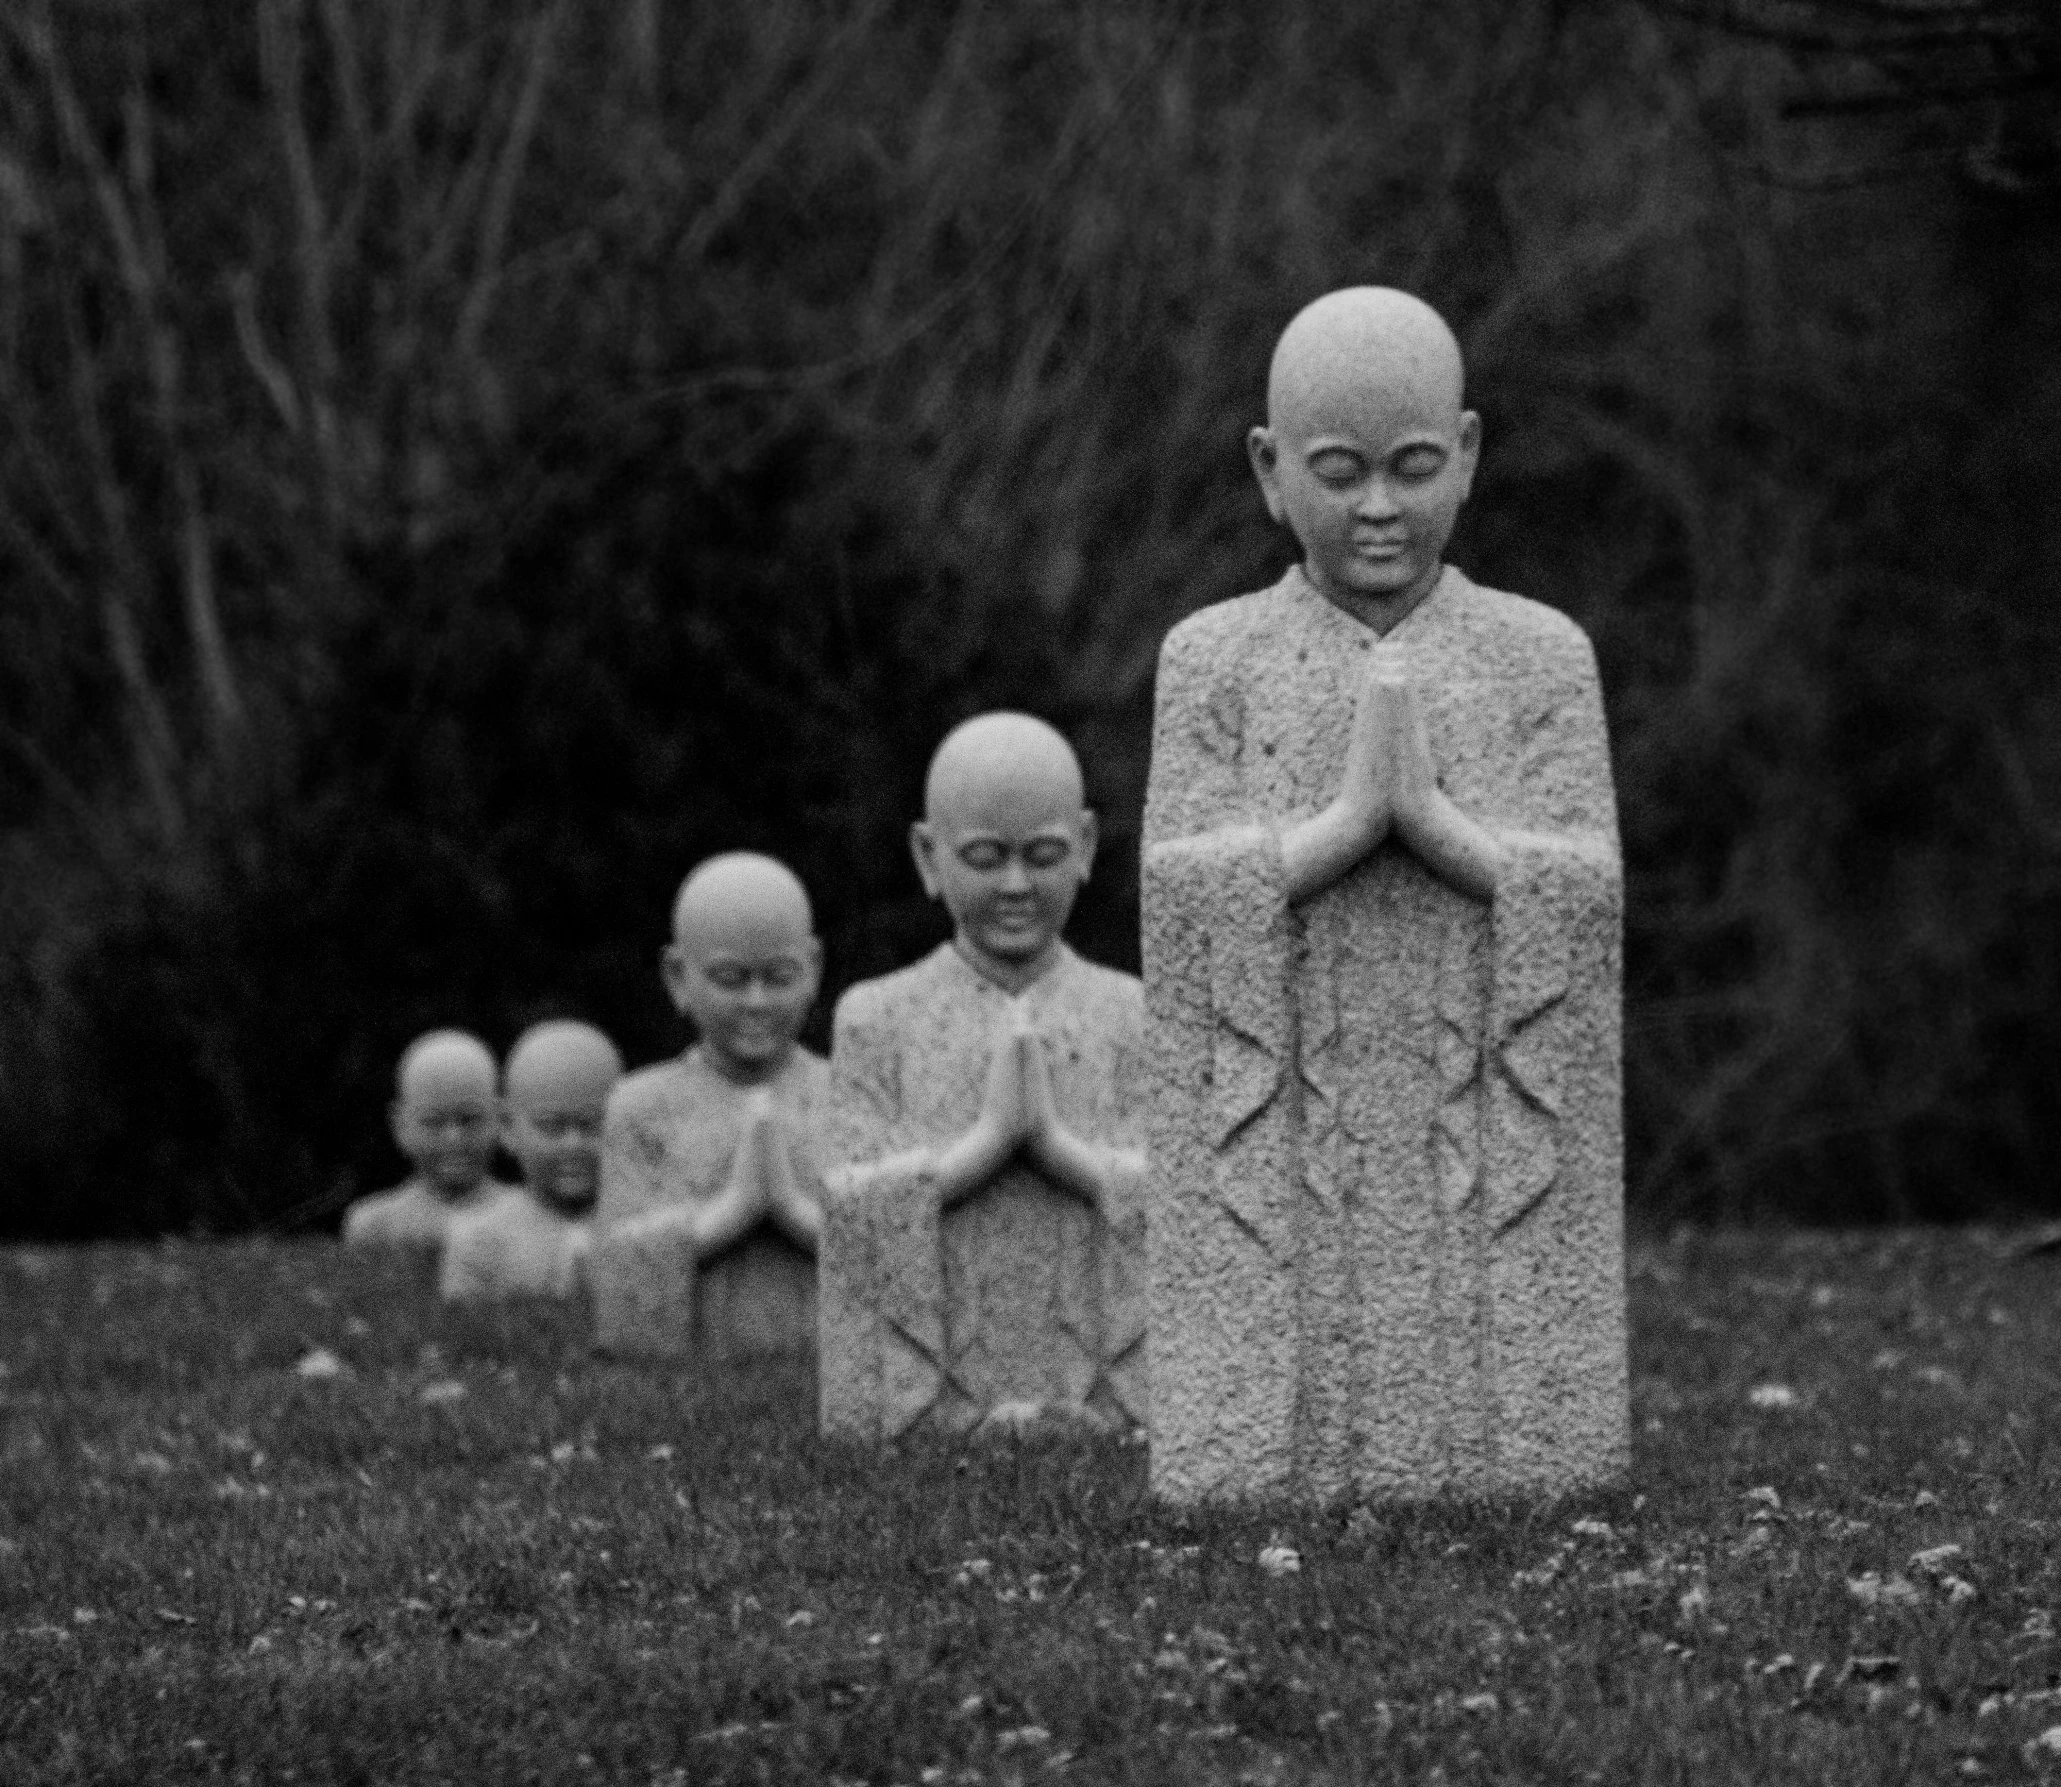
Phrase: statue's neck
x=1012 y=977
x=1380 y=615
x=744 y=1074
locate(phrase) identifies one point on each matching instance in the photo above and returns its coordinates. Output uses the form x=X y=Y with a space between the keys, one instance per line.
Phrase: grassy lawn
x=477 y=1553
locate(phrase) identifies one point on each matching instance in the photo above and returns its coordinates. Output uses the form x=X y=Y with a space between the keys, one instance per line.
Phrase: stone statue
x=445 y=1116
x=1382 y=900
x=710 y=1188
x=982 y=1255
x=532 y=1240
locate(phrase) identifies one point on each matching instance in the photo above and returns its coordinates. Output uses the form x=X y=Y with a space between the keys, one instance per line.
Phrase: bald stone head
x=1368 y=452
x=561 y=1058
x=1364 y=334
x=441 y=1061
x=742 y=893
x=445 y=1111
x=992 y=752
x=744 y=963
x=1005 y=842
x=560 y=1074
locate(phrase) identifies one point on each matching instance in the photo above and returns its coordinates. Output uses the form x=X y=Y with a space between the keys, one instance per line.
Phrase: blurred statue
x=710 y=1195
x=532 y=1240
x=983 y=1230
x=1381 y=931
x=445 y=1116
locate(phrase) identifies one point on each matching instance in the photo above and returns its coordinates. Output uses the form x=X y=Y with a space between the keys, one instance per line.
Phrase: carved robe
x=668 y=1143
x=1020 y=1293
x=1386 y=1232
x=514 y=1246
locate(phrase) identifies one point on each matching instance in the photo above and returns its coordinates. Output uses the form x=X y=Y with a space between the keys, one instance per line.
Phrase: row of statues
x=1344 y=1172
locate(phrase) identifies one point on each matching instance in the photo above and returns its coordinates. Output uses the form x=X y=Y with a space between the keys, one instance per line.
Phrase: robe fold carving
x=1386 y=1215
x=1020 y=1292
x=667 y=1147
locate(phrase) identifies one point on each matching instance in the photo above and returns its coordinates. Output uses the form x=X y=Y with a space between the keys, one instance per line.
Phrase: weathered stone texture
x=1386 y=1250
x=667 y=1148
x=1021 y=1293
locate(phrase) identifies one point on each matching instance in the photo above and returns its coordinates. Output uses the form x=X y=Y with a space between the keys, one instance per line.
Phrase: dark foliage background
x=463 y=460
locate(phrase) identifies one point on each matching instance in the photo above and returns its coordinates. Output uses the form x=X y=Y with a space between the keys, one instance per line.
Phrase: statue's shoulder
x=808 y=1073
x=649 y=1090
x=383 y=1215
x=1543 y=634
x=1220 y=631
x=1105 y=986
x=379 y=1203
x=1115 y=1000
x=888 y=999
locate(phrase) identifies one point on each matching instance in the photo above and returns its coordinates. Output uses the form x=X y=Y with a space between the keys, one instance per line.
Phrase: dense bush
x=461 y=462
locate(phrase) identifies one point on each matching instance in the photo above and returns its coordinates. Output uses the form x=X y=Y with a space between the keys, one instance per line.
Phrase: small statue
x=710 y=1195
x=1382 y=899
x=445 y=1117
x=983 y=1228
x=532 y=1239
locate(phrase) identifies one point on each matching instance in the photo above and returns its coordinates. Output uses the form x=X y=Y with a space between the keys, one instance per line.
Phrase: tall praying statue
x=1382 y=916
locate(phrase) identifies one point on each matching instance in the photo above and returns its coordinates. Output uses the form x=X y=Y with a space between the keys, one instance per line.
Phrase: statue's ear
x=1265 y=453
x=923 y=847
x=1090 y=836
x=1470 y=450
x=672 y=970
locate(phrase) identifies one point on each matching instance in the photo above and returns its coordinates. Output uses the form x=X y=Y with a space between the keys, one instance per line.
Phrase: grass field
x=477 y=1553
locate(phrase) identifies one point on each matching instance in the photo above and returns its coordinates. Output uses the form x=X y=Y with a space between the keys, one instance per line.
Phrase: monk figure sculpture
x=1382 y=900
x=982 y=1233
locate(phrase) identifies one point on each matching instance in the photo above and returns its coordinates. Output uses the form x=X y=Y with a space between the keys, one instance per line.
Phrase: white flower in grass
x=1773 y=1396
x=320 y=1363
x=1278 y=1559
x=1872 y=1589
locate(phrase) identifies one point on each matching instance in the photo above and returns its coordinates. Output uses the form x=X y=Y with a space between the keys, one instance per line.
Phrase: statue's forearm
x=794 y=1212
x=725 y=1220
x=1460 y=851
x=800 y=1218
x=1322 y=850
x=962 y=1167
x=1086 y=1168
